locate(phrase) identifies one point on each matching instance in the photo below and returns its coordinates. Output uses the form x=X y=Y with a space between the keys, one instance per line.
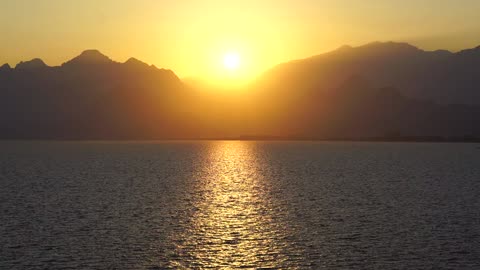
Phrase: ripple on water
x=195 y=205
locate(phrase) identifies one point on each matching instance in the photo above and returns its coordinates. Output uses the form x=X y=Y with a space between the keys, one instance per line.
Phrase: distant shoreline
x=372 y=139
x=413 y=139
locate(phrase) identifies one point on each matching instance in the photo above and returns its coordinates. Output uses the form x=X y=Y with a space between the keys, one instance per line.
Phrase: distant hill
x=358 y=109
x=380 y=90
x=441 y=76
x=90 y=96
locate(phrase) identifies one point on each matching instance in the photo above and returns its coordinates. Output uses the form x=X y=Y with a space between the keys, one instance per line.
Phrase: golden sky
x=192 y=36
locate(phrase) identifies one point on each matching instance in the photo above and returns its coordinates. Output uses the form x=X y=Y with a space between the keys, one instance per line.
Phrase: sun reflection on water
x=233 y=225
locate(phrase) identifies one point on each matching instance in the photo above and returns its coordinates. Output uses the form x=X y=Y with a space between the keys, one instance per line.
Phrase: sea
x=239 y=205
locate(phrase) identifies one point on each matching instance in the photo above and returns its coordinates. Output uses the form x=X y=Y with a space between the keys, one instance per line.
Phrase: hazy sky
x=191 y=36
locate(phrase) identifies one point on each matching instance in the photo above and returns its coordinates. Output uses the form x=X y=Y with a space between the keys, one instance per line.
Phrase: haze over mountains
x=90 y=96
x=380 y=89
x=440 y=76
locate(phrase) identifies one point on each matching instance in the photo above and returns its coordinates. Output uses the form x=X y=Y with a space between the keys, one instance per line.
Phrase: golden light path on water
x=237 y=222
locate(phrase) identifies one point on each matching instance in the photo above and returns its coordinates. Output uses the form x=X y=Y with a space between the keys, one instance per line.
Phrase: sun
x=231 y=61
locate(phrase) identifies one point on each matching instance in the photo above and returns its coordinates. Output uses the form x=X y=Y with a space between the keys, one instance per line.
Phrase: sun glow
x=231 y=61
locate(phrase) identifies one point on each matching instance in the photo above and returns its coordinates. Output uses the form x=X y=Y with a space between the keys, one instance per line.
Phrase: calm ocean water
x=234 y=204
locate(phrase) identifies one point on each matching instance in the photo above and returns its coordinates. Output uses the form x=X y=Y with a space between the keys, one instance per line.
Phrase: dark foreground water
x=270 y=205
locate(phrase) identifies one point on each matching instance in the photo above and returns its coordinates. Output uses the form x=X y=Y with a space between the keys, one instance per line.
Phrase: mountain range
x=90 y=96
x=376 y=90
x=440 y=76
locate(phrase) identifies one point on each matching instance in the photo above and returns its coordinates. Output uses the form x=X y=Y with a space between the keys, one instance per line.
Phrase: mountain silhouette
x=90 y=96
x=359 y=109
x=32 y=64
x=5 y=67
x=377 y=90
x=89 y=57
x=441 y=76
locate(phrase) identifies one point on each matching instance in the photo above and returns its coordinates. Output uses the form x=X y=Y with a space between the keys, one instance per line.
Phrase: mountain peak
x=390 y=45
x=32 y=64
x=134 y=62
x=90 y=57
x=5 y=67
x=93 y=55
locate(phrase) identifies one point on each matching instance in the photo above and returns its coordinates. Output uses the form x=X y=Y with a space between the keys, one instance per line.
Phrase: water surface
x=234 y=204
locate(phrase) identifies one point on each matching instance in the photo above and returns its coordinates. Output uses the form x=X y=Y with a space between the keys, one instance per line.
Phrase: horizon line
x=277 y=64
